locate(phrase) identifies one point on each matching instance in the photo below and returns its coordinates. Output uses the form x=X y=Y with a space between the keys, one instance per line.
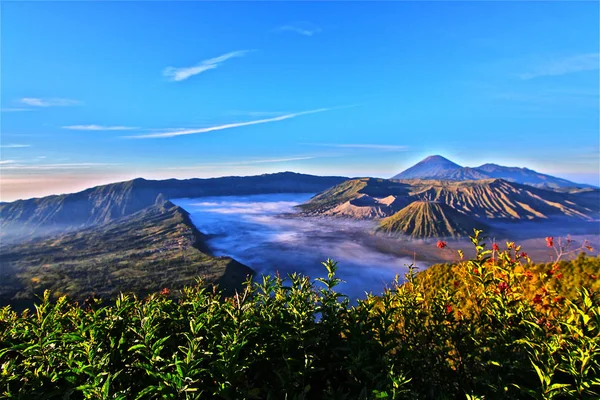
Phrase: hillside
x=500 y=199
x=427 y=219
x=101 y=204
x=359 y=198
x=440 y=168
x=149 y=250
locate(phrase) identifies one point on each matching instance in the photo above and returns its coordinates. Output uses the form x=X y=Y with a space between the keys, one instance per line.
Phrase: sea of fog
x=259 y=231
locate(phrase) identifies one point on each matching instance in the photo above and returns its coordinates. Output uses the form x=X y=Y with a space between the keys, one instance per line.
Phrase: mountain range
x=128 y=236
x=421 y=207
x=438 y=167
x=101 y=204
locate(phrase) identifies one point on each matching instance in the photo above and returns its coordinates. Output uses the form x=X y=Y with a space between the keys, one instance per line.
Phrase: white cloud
x=53 y=102
x=385 y=147
x=563 y=66
x=249 y=162
x=4 y=162
x=183 y=73
x=100 y=128
x=13 y=109
x=45 y=167
x=256 y=113
x=13 y=146
x=302 y=28
x=228 y=126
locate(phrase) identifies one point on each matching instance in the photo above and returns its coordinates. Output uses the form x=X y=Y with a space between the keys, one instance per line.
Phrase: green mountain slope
x=149 y=250
x=426 y=219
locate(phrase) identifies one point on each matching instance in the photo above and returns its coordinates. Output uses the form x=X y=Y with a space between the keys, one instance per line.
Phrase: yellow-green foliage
x=563 y=278
x=489 y=336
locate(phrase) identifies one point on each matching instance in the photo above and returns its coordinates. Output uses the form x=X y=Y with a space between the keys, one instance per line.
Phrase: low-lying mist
x=258 y=231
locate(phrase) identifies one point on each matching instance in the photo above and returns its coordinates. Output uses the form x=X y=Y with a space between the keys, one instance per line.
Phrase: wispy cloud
x=15 y=109
x=45 y=167
x=248 y=162
x=100 y=128
x=183 y=73
x=53 y=102
x=13 y=146
x=4 y=162
x=302 y=28
x=385 y=147
x=256 y=113
x=563 y=66
x=229 y=126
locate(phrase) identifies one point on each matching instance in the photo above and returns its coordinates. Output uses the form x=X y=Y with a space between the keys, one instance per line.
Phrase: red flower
x=503 y=287
x=559 y=275
x=537 y=299
x=475 y=271
x=495 y=247
x=593 y=276
x=529 y=275
x=550 y=241
x=441 y=244
x=550 y=272
x=456 y=283
x=448 y=308
x=165 y=292
x=523 y=255
x=559 y=299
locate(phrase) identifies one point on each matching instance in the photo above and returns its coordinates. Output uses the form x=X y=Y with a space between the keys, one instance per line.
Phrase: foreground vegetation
x=496 y=327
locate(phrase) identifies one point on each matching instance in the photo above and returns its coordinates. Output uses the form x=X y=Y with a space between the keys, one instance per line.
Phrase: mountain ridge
x=438 y=167
x=429 y=219
x=146 y=251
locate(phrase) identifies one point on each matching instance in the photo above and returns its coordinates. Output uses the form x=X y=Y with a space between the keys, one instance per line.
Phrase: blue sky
x=95 y=92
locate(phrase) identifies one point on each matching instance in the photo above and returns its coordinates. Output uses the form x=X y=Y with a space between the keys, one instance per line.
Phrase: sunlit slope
x=427 y=219
x=494 y=199
x=154 y=248
x=500 y=199
x=360 y=198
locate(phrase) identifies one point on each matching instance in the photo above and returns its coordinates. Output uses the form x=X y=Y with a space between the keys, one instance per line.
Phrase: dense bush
x=495 y=331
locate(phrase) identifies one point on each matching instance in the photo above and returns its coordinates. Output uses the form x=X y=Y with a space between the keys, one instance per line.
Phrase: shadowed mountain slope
x=144 y=252
x=101 y=204
x=427 y=219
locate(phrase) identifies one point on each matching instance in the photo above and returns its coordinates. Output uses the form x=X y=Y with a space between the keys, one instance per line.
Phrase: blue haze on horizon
x=96 y=92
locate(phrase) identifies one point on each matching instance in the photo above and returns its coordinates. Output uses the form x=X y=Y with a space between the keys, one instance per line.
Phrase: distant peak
x=438 y=160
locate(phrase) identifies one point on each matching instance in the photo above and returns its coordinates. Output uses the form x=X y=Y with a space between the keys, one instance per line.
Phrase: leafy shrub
x=492 y=332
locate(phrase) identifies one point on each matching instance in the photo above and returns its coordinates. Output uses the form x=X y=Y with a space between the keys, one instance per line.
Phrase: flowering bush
x=496 y=328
